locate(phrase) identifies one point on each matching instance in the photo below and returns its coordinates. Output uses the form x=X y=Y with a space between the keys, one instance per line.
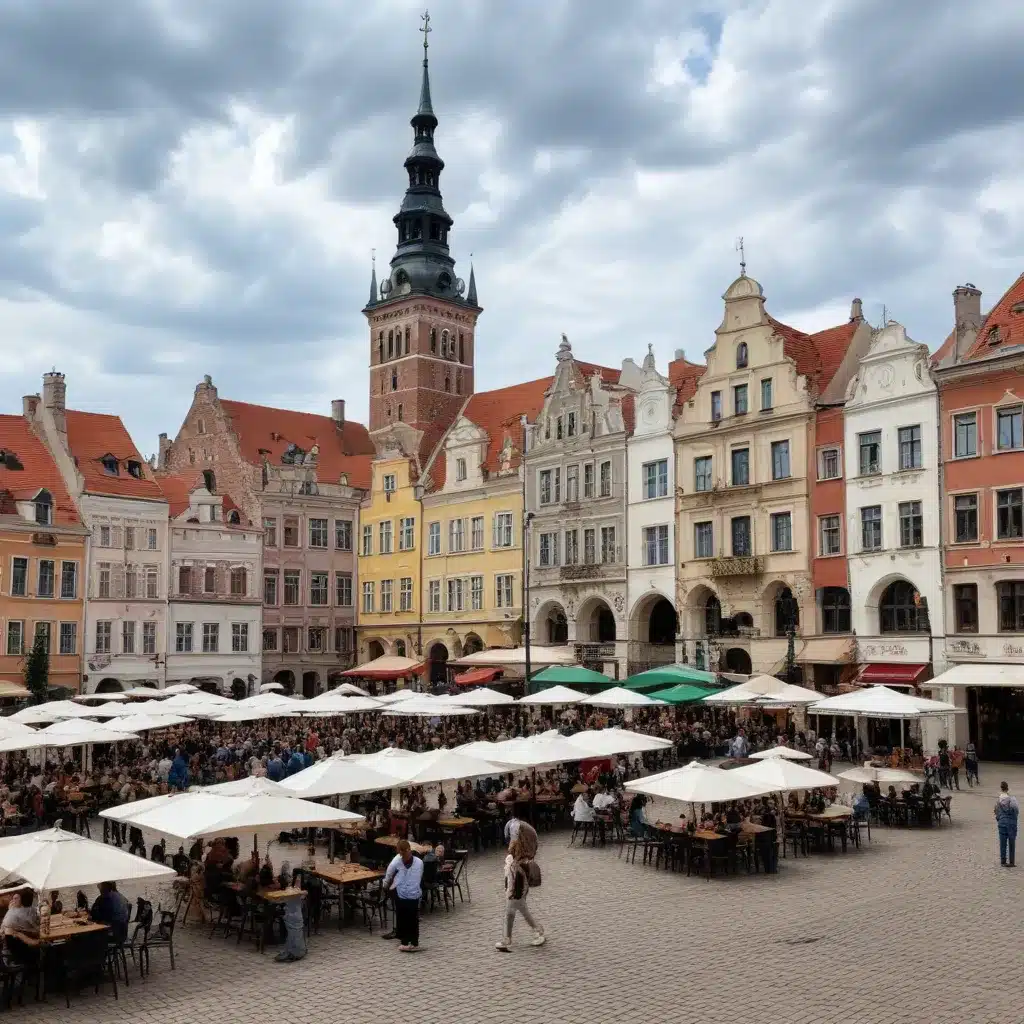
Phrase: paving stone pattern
x=918 y=926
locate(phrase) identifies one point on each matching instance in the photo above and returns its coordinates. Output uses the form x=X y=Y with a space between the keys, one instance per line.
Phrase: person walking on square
x=1007 y=812
x=517 y=887
x=971 y=764
x=405 y=876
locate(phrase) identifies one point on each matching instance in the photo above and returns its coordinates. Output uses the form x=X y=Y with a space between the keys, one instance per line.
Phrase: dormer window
x=135 y=469
x=460 y=470
x=109 y=465
x=741 y=355
x=234 y=518
x=9 y=460
x=994 y=336
x=44 y=508
x=209 y=481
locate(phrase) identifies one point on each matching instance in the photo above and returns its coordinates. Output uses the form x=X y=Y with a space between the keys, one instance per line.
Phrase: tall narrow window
x=910 y=447
x=767 y=399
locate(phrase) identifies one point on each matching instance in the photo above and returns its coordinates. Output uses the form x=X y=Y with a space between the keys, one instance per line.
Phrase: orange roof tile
x=832 y=344
x=91 y=436
x=1003 y=327
x=943 y=351
x=801 y=349
x=38 y=471
x=348 y=450
x=178 y=487
x=684 y=377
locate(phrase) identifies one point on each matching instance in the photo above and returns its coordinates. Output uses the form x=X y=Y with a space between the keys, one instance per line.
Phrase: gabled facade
x=215 y=600
x=301 y=478
x=124 y=510
x=42 y=558
x=576 y=507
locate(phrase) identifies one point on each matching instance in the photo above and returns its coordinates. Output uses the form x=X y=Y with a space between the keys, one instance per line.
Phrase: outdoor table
x=273 y=897
x=831 y=818
x=393 y=842
x=345 y=873
x=456 y=822
x=62 y=928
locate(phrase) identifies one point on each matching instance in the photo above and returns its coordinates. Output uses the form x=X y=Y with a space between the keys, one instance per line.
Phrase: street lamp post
x=789 y=608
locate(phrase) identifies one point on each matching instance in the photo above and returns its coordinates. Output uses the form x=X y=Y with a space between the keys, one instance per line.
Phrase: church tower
x=422 y=317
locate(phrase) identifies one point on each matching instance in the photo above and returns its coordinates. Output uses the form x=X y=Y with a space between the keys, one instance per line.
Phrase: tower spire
x=373 y=276
x=471 y=291
x=425 y=105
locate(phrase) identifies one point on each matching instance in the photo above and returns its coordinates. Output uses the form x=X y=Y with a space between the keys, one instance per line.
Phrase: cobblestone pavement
x=917 y=926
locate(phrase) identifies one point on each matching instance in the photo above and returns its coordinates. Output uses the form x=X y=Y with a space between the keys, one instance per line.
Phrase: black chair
x=431 y=885
x=454 y=874
x=162 y=937
x=588 y=828
x=369 y=901
x=15 y=969
x=87 y=959
x=228 y=908
x=137 y=940
x=257 y=915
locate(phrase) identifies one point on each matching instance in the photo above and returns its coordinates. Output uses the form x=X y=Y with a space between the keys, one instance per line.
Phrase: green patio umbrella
x=669 y=675
x=569 y=675
x=682 y=693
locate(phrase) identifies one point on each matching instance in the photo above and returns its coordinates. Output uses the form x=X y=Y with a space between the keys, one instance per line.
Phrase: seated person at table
x=861 y=806
x=581 y=810
x=218 y=856
x=767 y=813
x=603 y=800
x=442 y=802
x=112 y=909
x=733 y=818
x=507 y=795
x=637 y=818
x=525 y=790
x=793 y=803
x=892 y=794
x=22 y=915
x=56 y=906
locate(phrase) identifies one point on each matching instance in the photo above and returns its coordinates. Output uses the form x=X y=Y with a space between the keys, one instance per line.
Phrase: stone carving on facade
x=505 y=455
x=620 y=603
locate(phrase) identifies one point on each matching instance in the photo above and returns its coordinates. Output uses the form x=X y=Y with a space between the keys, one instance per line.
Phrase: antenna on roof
x=743 y=256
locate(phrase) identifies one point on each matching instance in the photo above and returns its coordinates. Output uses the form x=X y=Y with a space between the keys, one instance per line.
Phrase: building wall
x=828 y=497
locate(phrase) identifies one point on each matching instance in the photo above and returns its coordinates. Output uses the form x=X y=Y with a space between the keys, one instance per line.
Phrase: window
x=291 y=532
x=109 y=465
x=456 y=535
x=131 y=581
x=588 y=480
x=572 y=483
x=270 y=639
x=780 y=460
x=239 y=637
x=558 y=428
x=316 y=639
x=385 y=595
x=739 y=399
x=433 y=538
x=68 y=637
x=43 y=630
x=19 y=578
x=209 y=580
x=270 y=533
x=829 y=535
x=292 y=586
x=656 y=545
x=406 y=533
x=702 y=473
x=129 y=538
x=476 y=593
x=590 y=546
x=503 y=530
x=572 y=547
x=741 y=540
x=965 y=518
x=405 y=594
x=455 y=595
x=290 y=639
x=782 y=531
x=1010 y=428
x=343 y=534
x=1010 y=514
x=367 y=548
x=965 y=607
x=547 y=489
x=182 y=637
x=318 y=588
x=965 y=435
x=503 y=591
x=870 y=452
x=606 y=479
x=607 y=544
x=871 y=528
x=151 y=539
x=45 y=578
x=434 y=596
x=910 y=447
x=270 y=586
x=343 y=589
x=44 y=508
x=342 y=639
x=318 y=533
x=903 y=610
x=829 y=466
x=103 y=579
x=716 y=406
x=703 y=540
x=911 y=524
x=570 y=425
x=368 y=599
x=460 y=470
x=1011 y=606
x=656 y=479
x=476 y=533
x=16 y=636
x=389 y=483
x=767 y=399
x=211 y=637
x=741 y=355
x=152 y=586
x=239 y=582
x=740 y=467
x=127 y=637
x=149 y=638
x=835 y=610
x=384 y=536
x=548 y=549
x=68 y=579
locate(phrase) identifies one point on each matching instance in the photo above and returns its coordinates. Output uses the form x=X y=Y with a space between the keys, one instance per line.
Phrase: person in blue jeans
x=1007 y=812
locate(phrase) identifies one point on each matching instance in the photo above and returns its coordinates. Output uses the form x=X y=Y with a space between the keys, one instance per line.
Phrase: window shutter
x=117 y=573
x=115 y=537
x=495 y=531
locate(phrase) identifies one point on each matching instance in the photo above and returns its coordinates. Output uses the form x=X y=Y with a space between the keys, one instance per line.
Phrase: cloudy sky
x=190 y=187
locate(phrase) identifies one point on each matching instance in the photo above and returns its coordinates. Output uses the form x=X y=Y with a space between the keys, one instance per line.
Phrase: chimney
x=680 y=354
x=54 y=390
x=338 y=411
x=967 y=318
x=856 y=311
x=29 y=405
x=163 y=452
x=206 y=387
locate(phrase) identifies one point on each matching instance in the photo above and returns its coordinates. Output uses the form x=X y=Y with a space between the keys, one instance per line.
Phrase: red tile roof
x=178 y=487
x=684 y=376
x=39 y=470
x=831 y=345
x=348 y=450
x=800 y=348
x=1003 y=328
x=941 y=353
x=91 y=436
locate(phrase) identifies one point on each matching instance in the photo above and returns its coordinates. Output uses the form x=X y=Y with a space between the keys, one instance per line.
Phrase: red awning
x=476 y=676
x=906 y=675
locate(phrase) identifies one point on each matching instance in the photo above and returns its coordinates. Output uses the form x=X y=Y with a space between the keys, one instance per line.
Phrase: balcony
x=737 y=565
x=594 y=652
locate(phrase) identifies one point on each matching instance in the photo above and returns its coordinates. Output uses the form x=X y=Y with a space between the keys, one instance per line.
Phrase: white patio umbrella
x=536 y=751
x=334 y=703
x=271 y=688
x=269 y=700
x=380 y=759
x=177 y=688
x=243 y=714
x=146 y=691
x=882 y=702
x=442 y=765
x=769 y=688
x=9 y=728
x=609 y=742
x=785 y=752
x=52 y=711
x=620 y=697
x=339 y=776
x=248 y=785
x=698 y=783
x=111 y=711
x=143 y=722
x=55 y=859
x=781 y=776
x=28 y=741
x=75 y=733
x=429 y=709
x=482 y=697
x=350 y=690
x=83 y=697
x=399 y=695
x=883 y=776
x=192 y=815
x=553 y=695
x=516 y=656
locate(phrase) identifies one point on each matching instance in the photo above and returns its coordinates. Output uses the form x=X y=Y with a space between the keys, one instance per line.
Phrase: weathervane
x=743 y=256
x=426 y=30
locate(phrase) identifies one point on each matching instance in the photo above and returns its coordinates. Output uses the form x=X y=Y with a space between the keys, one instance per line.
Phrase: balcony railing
x=595 y=651
x=737 y=565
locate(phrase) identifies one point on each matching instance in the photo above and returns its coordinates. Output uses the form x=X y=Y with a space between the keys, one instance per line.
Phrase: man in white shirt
x=739 y=747
x=581 y=810
x=603 y=800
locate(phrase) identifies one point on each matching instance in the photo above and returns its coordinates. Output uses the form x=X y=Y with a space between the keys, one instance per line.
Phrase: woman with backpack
x=518 y=871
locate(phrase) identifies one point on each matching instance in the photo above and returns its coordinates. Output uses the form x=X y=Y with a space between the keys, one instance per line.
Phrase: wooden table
x=61 y=928
x=456 y=822
x=393 y=842
x=832 y=817
x=751 y=829
x=346 y=873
